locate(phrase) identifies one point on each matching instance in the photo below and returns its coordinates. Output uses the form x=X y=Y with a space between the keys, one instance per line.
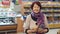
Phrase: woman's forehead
x=35 y=5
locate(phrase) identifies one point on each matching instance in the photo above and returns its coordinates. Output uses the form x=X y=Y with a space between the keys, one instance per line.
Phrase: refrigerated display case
x=7 y=18
x=8 y=22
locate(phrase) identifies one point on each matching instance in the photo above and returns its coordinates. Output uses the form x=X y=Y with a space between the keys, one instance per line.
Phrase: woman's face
x=36 y=8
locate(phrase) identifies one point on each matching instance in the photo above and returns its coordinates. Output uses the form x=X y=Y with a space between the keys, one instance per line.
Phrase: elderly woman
x=36 y=22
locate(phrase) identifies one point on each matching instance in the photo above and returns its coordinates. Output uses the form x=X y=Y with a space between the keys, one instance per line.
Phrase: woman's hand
x=40 y=30
x=31 y=31
x=45 y=30
x=34 y=29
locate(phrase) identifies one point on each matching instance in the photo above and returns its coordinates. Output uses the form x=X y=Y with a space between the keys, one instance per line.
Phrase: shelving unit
x=52 y=11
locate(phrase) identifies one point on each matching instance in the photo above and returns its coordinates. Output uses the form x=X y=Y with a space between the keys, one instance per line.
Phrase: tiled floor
x=53 y=31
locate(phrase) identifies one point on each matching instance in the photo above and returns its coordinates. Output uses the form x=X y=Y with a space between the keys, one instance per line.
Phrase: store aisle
x=53 y=31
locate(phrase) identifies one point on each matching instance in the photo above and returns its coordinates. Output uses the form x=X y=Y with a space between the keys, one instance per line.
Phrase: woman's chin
x=36 y=12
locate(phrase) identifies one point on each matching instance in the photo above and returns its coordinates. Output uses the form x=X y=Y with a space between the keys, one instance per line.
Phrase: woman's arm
x=46 y=29
x=34 y=30
x=27 y=25
x=31 y=31
x=40 y=30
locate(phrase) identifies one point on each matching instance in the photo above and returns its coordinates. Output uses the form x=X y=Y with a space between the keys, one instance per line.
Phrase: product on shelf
x=50 y=19
x=59 y=19
x=6 y=2
x=56 y=19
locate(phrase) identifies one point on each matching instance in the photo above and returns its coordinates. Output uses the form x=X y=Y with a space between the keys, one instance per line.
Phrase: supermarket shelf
x=51 y=6
x=56 y=10
x=43 y=6
x=56 y=14
x=57 y=6
x=47 y=10
x=54 y=25
x=52 y=10
x=49 y=15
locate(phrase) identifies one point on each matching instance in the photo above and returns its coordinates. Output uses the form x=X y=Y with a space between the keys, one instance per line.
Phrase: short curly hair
x=36 y=2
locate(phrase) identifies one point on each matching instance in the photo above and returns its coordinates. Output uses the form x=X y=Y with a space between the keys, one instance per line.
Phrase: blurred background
x=13 y=15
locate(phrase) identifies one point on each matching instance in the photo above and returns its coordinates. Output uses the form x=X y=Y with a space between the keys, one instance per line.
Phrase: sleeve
x=46 y=23
x=26 y=24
